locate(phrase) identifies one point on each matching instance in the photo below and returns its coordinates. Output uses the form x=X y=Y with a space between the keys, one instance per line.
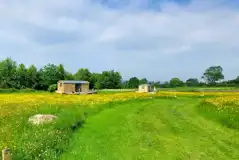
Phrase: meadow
x=165 y=125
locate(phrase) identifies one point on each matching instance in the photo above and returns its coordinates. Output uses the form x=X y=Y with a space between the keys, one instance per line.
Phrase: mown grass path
x=153 y=129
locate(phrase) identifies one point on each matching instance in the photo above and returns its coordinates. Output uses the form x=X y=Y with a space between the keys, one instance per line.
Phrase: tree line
x=13 y=75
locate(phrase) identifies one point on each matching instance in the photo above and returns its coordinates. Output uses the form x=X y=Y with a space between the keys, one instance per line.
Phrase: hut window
x=61 y=84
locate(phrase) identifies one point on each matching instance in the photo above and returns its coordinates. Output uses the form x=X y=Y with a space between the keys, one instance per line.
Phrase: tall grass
x=227 y=116
x=39 y=142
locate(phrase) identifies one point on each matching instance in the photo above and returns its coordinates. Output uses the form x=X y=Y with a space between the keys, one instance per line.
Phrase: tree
x=32 y=77
x=109 y=80
x=213 y=74
x=60 y=72
x=21 y=77
x=133 y=82
x=18 y=76
x=155 y=84
x=93 y=80
x=7 y=73
x=166 y=84
x=192 y=82
x=143 y=81
x=236 y=81
x=49 y=75
x=68 y=76
x=116 y=79
x=124 y=83
x=202 y=84
x=176 y=82
x=83 y=74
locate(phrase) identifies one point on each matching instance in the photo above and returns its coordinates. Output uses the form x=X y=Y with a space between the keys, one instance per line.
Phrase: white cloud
x=137 y=42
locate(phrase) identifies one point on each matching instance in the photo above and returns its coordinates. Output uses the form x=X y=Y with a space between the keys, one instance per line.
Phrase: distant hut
x=73 y=87
x=144 y=88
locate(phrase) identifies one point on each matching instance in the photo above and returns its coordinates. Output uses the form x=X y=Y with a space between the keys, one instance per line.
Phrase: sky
x=155 y=39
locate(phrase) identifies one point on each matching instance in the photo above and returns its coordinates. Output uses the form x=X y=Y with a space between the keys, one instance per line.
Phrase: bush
x=27 y=90
x=52 y=88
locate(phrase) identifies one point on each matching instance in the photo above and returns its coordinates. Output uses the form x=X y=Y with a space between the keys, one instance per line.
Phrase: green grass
x=153 y=129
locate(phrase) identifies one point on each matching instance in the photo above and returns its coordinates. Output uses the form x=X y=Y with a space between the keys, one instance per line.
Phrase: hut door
x=78 y=86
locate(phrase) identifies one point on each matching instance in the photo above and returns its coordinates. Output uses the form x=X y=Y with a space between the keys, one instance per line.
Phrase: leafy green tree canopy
x=133 y=82
x=176 y=82
x=32 y=77
x=166 y=84
x=21 y=77
x=83 y=74
x=143 y=81
x=50 y=74
x=155 y=84
x=93 y=80
x=213 y=74
x=109 y=80
x=192 y=82
x=7 y=73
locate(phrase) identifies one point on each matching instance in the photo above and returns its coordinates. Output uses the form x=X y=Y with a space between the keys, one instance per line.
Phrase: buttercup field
x=119 y=79
x=167 y=125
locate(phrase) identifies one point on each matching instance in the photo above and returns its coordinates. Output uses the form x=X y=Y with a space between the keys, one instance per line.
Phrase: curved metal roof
x=144 y=85
x=73 y=82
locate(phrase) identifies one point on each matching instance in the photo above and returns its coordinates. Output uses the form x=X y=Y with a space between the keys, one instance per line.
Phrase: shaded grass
x=153 y=129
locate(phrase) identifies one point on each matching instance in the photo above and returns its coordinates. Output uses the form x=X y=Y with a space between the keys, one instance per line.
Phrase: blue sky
x=156 y=39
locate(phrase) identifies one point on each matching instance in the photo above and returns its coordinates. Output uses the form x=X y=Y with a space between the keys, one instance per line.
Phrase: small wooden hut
x=73 y=87
x=145 y=88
